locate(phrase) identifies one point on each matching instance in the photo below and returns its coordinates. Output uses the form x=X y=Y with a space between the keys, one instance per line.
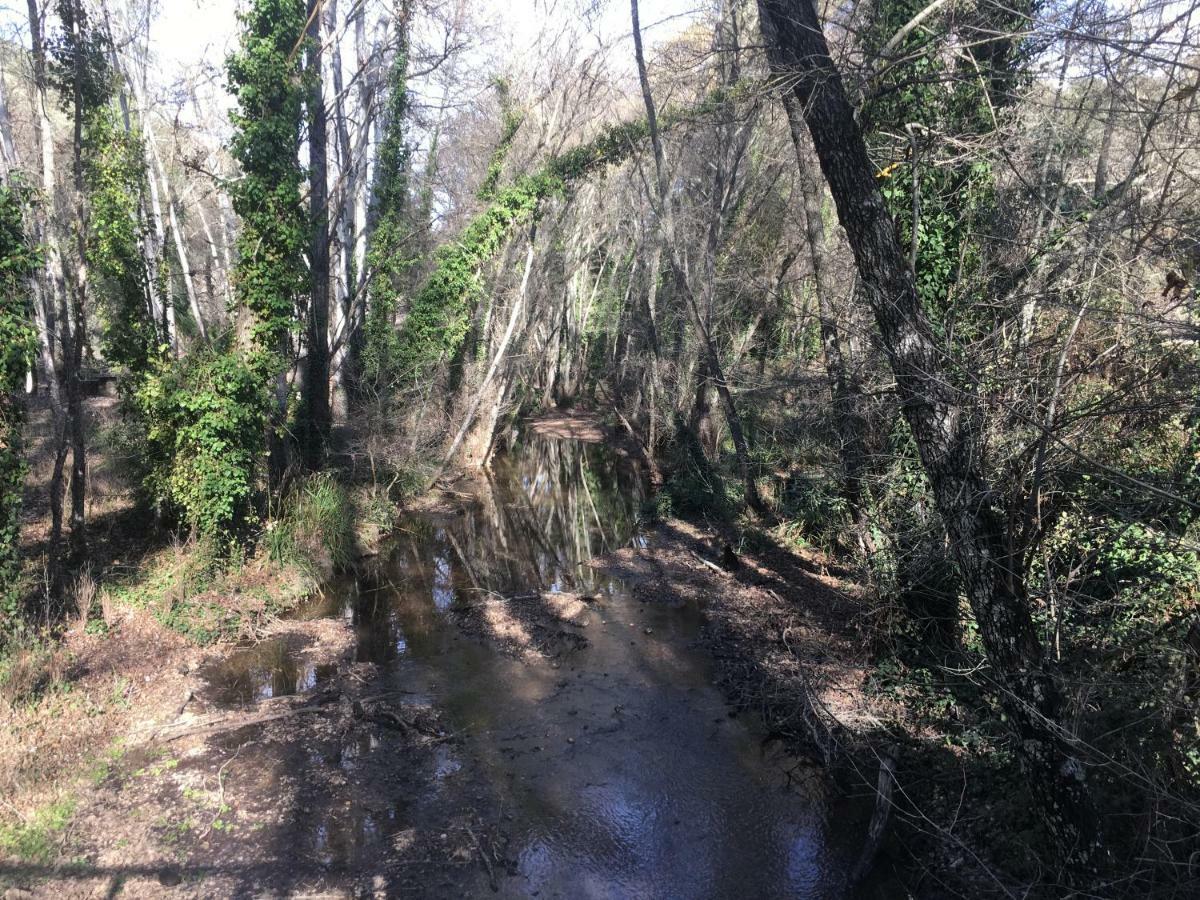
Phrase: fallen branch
x=711 y=565
x=492 y=882
x=879 y=818
x=229 y=721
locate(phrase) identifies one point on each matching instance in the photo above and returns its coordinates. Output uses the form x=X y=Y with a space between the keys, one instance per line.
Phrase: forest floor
x=122 y=776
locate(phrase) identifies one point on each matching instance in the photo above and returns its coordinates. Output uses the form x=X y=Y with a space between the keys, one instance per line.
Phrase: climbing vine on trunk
x=18 y=343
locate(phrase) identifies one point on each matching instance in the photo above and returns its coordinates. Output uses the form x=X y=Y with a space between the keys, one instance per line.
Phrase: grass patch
x=36 y=839
x=102 y=766
x=196 y=590
x=30 y=666
x=192 y=591
x=317 y=529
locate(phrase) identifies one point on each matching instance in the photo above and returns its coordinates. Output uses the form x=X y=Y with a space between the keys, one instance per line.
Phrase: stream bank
x=483 y=710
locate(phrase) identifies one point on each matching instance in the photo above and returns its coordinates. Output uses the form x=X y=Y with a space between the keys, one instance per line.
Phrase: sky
x=189 y=33
x=191 y=38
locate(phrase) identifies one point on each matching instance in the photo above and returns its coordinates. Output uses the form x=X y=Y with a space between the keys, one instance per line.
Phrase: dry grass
x=83 y=594
x=28 y=669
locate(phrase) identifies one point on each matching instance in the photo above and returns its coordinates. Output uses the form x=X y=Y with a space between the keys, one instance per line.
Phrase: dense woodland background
x=910 y=283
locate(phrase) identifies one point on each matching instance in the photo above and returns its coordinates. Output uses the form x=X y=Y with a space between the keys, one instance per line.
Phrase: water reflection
x=617 y=761
x=272 y=668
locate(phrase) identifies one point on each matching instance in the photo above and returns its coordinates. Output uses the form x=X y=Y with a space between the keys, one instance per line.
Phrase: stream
x=614 y=764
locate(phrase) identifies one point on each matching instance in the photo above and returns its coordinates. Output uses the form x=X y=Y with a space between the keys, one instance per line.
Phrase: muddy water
x=613 y=765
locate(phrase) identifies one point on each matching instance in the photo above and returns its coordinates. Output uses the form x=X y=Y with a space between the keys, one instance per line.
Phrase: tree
x=712 y=367
x=84 y=78
x=18 y=346
x=270 y=276
x=316 y=381
x=54 y=323
x=946 y=434
x=387 y=258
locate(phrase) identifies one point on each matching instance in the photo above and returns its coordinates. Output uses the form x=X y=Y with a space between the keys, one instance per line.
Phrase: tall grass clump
x=316 y=530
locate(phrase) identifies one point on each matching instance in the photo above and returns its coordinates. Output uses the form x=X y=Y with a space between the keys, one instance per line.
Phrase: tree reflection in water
x=541 y=513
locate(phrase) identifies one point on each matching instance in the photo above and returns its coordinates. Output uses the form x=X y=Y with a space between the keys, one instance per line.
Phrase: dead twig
x=491 y=870
x=711 y=565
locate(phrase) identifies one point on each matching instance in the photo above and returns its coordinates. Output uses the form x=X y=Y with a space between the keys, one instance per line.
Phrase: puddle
x=269 y=669
x=615 y=764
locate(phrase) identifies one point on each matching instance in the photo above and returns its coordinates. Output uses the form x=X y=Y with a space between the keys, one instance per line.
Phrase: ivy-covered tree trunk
x=316 y=380
x=18 y=343
x=946 y=439
x=386 y=260
x=270 y=276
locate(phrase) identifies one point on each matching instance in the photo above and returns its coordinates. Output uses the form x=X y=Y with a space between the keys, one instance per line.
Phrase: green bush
x=34 y=840
x=17 y=342
x=205 y=428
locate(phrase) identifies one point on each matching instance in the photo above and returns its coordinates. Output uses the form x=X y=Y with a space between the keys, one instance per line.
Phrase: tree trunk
x=663 y=211
x=493 y=369
x=185 y=267
x=849 y=415
x=946 y=438
x=345 y=177
x=316 y=378
x=78 y=323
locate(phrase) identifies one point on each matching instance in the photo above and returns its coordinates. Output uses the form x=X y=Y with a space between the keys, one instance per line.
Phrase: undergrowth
x=35 y=840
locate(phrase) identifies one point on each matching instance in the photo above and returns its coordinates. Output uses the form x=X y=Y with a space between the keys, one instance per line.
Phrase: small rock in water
x=648 y=630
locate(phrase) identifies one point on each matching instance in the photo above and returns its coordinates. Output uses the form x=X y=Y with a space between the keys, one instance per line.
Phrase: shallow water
x=619 y=769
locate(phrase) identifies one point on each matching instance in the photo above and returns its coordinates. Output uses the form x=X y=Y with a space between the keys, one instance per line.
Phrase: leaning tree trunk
x=946 y=436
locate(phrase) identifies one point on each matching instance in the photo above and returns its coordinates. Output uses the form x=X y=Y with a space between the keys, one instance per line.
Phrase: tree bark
x=79 y=300
x=54 y=320
x=345 y=177
x=946 y=436
x=316 y=378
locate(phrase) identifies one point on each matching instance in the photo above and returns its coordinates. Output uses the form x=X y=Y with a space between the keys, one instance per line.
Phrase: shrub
x=29 y=666
x=33 y=840
x=205 y=428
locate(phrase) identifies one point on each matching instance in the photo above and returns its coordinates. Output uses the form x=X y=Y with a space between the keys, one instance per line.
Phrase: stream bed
x=587 y=720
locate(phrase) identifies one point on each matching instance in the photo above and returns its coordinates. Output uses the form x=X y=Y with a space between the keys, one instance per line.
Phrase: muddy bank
x=781 y=628
x=481 y=710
